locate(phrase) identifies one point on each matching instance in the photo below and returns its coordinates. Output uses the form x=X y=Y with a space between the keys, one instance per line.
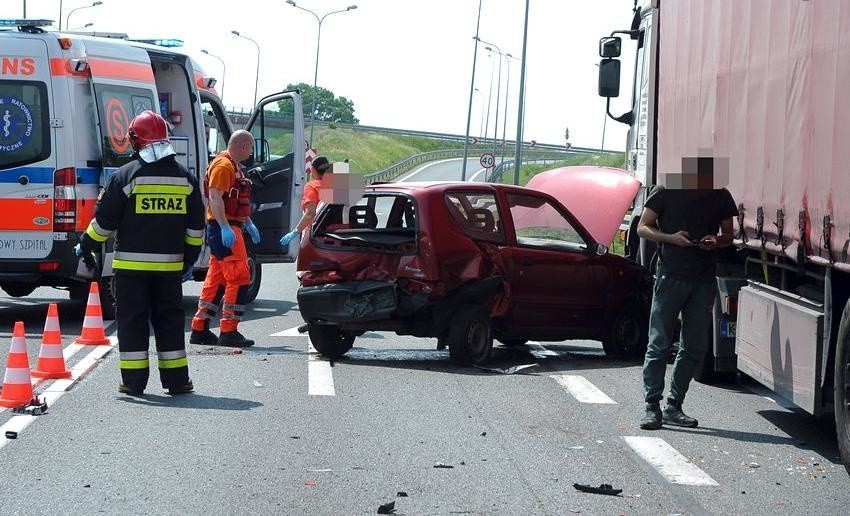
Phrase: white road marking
x=320 y=379
x=291 y=332
x=472 y=178
x=423 y=167
x=58 y=388
x=538 y=350
x=69 y=351
x=581 y=389
x=670 y=463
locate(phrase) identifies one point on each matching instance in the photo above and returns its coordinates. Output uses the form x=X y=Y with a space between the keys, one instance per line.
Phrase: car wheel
x=16 y=289
x=330 y=341
x=256 y=271
x=107 y=297
x=470 y=336
x=628 y=333
x=841 y=387
x=513 y=343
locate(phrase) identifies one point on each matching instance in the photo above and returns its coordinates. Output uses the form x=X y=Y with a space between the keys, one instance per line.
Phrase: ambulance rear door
x=277 y=171
x=27 y=143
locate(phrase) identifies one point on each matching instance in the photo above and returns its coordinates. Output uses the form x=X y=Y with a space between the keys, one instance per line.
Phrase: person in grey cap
x=310 y=199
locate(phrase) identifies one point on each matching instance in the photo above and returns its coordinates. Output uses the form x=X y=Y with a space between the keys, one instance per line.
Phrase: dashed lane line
x=58 y=388
x=320 y=379
x=581 y=389
x=671 y=464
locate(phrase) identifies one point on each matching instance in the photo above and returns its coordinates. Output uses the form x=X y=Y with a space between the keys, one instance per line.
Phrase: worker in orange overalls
x=229 y=211
x=310 y=198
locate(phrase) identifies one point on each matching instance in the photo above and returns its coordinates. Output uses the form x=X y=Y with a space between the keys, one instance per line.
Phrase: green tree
x=329 y=108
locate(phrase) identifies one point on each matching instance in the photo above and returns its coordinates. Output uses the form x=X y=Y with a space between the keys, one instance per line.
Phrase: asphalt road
x=447 y=170
x=277 y=430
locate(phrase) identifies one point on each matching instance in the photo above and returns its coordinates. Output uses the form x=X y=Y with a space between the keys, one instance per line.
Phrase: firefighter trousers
x=144 y=299
x=226 y=284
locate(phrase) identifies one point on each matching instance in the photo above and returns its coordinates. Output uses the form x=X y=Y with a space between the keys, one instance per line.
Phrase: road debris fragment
x=387 y=508
x=604 y=489
x=440 y=465
x=508 y=370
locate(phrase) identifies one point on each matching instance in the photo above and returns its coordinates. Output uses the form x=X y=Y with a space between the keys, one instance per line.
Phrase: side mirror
x=601 y=249
x=610 y=46
x=609 y=78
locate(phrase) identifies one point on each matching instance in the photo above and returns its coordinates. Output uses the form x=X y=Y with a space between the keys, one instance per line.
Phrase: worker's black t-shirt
x=699 y=212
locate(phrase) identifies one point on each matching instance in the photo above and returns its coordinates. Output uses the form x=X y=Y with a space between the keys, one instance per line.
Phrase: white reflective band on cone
x=18 y=375
x=92 y=322
x=51 y=350
x=19 y=345
x=52 y=324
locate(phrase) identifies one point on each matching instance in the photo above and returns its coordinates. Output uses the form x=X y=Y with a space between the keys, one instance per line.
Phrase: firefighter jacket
x=157 y=213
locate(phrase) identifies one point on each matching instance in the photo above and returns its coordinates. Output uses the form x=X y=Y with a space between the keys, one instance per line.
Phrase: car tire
x=470 y=337
x=330 y=341
x=628 y=331
x=78 y=292
x=16 y=289
x=255 y=269
x=107 y=297
x=841 y=386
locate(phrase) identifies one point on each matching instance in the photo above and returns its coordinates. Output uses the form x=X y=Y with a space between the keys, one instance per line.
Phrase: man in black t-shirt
x=685 y=224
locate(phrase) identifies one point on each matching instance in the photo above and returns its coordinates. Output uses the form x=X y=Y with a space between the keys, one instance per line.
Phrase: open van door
x=277 y=171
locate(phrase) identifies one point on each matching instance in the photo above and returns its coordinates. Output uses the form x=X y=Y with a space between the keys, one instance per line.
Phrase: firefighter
x=228 y=213
x=155 y=208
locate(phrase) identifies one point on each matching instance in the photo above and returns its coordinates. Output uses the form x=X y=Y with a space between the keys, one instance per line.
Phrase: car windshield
x=539 y=224
x=385 y=222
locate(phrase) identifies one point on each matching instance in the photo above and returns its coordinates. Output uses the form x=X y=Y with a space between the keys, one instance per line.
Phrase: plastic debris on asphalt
x=604 y=489
x=508 y=370
x=387 y=508
x=440 y=465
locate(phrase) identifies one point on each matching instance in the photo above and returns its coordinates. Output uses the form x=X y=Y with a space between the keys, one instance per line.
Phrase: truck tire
x=107 y=297
x=628 y=331
x=16 y=289
x=255 y=268
x=330 y=341
x=842 y=387
x=470 y=337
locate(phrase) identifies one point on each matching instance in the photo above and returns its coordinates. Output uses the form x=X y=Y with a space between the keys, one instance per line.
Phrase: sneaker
x=205 y=337
x=124 y=389
x=182 y=389
x=673 y=415
x=652 y=418
x=234 y=339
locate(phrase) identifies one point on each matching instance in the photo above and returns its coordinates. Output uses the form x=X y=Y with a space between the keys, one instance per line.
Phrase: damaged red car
x=468 y=263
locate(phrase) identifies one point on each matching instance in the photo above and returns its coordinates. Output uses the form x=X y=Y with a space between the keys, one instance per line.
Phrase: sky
x=404 y=64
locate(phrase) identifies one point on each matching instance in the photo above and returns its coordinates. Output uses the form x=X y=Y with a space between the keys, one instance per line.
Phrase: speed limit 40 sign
x=487 y=160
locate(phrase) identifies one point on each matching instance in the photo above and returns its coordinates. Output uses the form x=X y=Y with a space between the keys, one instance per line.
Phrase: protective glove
x=228 y=238
x=287 y=238
x=253 y=231
x=78 y=250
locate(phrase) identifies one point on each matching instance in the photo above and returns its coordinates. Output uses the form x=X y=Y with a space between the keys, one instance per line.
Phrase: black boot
x=673 y=415
x=652 y=418
x=182 y=389
x=234 y=339
x=130 y=390
x=204 y=337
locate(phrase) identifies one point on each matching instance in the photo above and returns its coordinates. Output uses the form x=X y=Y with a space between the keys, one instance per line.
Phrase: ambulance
x=66 y=100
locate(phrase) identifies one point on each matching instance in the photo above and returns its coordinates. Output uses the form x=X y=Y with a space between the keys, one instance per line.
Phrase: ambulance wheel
x=841 y=386
x=330 y=341
x=255 y=268
x=470 y=336
x=107 y=297
x=16 y=289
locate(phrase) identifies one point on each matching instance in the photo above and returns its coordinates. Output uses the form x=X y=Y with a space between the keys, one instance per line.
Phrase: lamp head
x=204 y=51
x=97 y=4
x=291 y=2
x=235 y=33
x=351 y=8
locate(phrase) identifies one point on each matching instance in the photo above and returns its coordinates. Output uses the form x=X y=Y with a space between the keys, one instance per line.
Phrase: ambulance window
x=116 y=107
x=24 y=123
x=274 y=126
x=215 y=128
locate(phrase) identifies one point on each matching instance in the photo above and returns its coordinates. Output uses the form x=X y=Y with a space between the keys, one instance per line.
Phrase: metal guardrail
x=393 y=171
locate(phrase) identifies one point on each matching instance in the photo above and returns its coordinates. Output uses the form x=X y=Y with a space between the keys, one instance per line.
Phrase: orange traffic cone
x=51 y=363
x=93 y=333
x=17 y=384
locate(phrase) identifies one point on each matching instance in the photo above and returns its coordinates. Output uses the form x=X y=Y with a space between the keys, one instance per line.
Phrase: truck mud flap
x=348 y=302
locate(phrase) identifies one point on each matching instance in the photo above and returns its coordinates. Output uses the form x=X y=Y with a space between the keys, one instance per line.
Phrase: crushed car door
x=277 y=171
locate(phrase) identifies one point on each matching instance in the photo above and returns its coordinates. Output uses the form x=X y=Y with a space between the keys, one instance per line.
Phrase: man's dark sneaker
x=673 y=415
x=183 y=389
x=234 y=339
x=205 y=337
x=652 y=418
x=124 y=389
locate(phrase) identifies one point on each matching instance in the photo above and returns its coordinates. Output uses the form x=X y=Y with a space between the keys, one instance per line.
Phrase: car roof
x=422 y=187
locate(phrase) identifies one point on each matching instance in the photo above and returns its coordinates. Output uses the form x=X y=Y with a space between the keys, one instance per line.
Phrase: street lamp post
x=498 y=94
x=223 y=73
x=257 y=75
x=471 y=87
x=316 y=70
x=489 y=98
x=508 y=57
x=68 y=18
x=521 y=107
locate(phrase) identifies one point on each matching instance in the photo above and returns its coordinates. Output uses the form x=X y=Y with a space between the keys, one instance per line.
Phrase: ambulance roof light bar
x=21 y=23
x=162 y=42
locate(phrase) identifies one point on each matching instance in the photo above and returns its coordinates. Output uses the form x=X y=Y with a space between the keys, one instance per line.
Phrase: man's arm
x=648 y=229
x=217 y=206
x=107 y=216
x=307 y=217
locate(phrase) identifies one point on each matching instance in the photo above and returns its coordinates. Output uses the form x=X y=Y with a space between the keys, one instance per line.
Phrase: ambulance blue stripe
x=85 y=176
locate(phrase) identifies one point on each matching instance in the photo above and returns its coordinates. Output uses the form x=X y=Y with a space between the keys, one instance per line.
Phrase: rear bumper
x=68 y=269
x=353 y=301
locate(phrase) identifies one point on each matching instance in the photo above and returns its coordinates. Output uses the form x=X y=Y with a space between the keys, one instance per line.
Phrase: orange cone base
x=14 y=403
x=92 y=341
x=50 y=375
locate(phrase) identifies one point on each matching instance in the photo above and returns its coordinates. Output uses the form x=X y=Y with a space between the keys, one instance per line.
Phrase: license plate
x=727 y=329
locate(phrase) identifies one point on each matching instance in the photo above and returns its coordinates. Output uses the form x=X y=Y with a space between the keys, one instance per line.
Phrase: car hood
x=597 y=196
